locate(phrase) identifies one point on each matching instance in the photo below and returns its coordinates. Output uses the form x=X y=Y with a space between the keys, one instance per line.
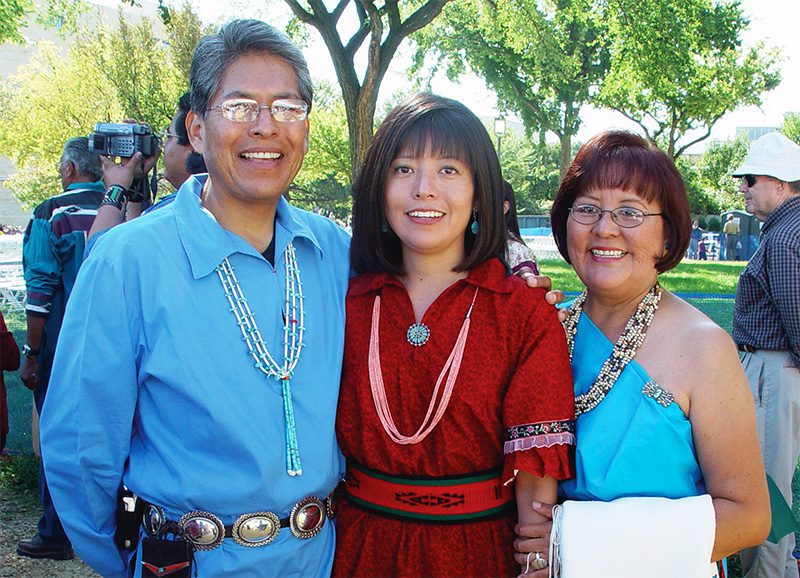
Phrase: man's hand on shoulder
x=553 y=297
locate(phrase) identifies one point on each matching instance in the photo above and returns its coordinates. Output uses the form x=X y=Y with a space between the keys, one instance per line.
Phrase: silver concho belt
x=205 y=531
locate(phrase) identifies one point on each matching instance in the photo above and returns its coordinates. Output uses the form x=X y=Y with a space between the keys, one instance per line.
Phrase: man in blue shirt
x=200 y=357
x=52 y=252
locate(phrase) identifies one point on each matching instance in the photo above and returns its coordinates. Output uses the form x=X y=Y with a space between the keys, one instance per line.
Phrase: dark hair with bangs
x=623 y=160
x=442 y=127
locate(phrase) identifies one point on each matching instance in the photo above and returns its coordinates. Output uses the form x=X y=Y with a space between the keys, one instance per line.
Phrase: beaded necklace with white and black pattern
x=624 y=349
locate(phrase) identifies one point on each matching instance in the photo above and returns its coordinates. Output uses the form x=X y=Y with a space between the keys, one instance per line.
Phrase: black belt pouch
x=166 y=558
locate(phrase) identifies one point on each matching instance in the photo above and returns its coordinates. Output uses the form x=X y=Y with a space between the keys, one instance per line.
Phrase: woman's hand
x=533 y=539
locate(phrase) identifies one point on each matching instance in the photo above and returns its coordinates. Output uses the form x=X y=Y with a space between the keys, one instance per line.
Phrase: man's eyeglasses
x=749 y=179
x=165 y=134
x=626 y=217
x=247 y=110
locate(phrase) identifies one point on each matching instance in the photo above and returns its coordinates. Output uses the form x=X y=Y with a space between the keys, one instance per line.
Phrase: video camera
x=122 y=140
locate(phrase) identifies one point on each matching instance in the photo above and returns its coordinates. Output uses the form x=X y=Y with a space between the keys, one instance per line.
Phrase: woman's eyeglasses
x=626 y=217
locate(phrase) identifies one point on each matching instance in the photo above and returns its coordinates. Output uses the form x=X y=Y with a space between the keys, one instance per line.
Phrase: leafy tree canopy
x=13 y=14
x=381 y=28
x=105 y=77
x=543 y=60
x=791 y=126
x=678 y=67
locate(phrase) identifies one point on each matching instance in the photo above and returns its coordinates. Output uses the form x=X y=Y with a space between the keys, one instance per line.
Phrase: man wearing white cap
x=766 y=326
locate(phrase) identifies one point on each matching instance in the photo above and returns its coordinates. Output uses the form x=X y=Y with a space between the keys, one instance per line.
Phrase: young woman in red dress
x=456 y=405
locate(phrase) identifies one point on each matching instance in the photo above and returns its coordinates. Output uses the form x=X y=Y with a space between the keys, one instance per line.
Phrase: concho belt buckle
x=307 y=518
x=154 y=520
x=202 y=529
x=256 y=529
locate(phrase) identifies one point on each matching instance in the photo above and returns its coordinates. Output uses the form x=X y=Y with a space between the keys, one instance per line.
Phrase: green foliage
x=136 y=66
x=533 y=171
x=678 y=67
x=323 y=184
x=791 y=126
x=48 y=101
x=62 y=15
x=105 y=77
x=544 y=60
x=716 y=167
x=184 y=30
x=19 y=472
x=12 y=19
x=381 y=30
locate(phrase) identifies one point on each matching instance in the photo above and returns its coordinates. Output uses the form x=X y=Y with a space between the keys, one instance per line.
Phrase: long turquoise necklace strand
x=293 y=329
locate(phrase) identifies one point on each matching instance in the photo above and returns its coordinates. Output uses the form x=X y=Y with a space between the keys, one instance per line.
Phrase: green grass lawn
x=687 y=277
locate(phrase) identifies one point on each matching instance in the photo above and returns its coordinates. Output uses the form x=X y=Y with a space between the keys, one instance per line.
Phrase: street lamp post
x=499 y=131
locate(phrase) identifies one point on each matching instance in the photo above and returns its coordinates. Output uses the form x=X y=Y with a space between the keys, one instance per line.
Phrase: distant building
x=755 y=132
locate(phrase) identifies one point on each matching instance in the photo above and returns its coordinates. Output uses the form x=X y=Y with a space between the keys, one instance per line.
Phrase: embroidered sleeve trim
x=540 y=441
x=540 y=435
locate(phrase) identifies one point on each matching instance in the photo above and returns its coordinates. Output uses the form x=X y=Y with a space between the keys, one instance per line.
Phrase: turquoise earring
x=474 y=226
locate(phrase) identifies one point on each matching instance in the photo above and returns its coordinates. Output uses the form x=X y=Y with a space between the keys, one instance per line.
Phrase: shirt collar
x=490 y=275
x=207 y=244
x=91 y=186
x=788 y=207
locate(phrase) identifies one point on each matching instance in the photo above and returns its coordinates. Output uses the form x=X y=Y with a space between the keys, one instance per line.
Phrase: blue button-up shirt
x=153 y=385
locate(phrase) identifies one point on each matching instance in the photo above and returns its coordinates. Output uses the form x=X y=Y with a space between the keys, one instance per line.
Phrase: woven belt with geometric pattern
x=438 y=500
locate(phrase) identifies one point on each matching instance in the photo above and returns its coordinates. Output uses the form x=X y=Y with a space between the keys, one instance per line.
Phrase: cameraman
x=180 y=162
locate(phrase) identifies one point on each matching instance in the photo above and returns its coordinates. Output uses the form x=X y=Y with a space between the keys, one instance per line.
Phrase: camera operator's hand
x=123 y=173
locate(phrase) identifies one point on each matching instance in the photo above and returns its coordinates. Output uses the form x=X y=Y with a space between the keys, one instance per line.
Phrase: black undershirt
x=269 y=252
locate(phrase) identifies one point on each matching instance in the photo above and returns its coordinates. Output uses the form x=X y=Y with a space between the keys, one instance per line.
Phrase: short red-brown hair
x=623 y=160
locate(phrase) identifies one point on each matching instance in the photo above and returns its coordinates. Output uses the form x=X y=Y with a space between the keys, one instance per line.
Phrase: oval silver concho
x=154 y=519
x=257 y=529
x=307 y=518
x=203 y=529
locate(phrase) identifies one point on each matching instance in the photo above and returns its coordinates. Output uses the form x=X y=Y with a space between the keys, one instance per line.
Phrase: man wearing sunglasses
x=201 y=368
x=766 y=326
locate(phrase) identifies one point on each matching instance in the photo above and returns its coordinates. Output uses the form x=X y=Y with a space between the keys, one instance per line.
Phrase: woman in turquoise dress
x=669 y=414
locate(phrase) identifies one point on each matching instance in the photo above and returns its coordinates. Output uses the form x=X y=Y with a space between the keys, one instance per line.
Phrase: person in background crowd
x=428 y=237
x=52 y=253
x=180 y=162
x=731 y=232
x=9 y=361
x=694 y=241
x=657 y=383
x=517 y=254
x=766 y=326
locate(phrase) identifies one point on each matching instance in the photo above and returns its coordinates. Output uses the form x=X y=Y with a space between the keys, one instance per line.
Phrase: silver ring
x=539 y=562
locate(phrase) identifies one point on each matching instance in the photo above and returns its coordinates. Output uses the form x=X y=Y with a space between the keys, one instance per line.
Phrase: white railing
x=12 y=286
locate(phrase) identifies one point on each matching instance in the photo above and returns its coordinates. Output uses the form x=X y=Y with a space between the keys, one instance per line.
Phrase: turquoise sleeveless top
x=630 y=444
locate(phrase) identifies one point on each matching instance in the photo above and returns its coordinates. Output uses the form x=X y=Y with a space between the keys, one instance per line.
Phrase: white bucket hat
x=772 y=155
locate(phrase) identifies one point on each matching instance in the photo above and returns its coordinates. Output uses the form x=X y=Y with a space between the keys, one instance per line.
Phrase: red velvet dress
x=514 y=389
